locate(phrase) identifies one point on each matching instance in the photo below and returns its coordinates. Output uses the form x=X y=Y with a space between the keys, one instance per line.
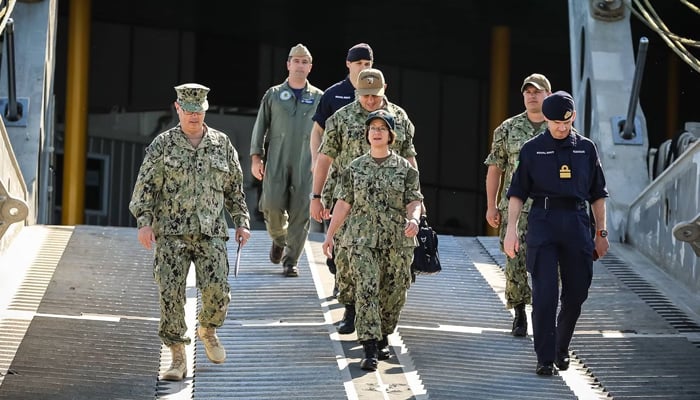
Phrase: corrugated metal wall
x=122 y=161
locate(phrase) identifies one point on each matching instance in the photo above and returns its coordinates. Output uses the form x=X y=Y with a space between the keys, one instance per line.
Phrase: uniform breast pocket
x=219 y=170
x=395 y=189
x=396 y=184
x=363 y=186
x=173 y=161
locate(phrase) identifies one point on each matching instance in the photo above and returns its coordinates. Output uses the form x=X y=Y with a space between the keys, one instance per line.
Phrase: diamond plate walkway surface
x=79 y=319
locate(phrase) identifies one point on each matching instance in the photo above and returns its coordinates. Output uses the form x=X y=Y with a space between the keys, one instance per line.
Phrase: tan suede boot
x=178 y=366
x=215 y=350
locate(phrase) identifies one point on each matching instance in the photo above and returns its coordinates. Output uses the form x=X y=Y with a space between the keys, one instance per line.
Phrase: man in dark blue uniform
x=561 y=171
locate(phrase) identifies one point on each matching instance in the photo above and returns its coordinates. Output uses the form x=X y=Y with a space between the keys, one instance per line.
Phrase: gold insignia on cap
x=567 y=115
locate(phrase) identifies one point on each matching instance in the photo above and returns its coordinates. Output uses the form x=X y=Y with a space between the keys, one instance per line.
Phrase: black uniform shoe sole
x=291 y=271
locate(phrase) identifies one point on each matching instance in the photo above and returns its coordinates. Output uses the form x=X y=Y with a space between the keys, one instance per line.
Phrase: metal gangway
x=79 y=320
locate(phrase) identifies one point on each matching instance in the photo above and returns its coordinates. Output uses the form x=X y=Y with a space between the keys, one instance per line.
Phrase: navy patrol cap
x=360 y=51
x=381 y=114
x=558 y=106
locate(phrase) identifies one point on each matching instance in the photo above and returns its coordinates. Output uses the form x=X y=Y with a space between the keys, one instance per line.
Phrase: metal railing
x=13 y=190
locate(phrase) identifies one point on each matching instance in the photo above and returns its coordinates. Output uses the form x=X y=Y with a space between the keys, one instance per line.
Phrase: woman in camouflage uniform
x=380 y=197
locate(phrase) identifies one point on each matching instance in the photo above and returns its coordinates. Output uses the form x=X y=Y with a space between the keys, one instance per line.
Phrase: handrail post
x=628 y=130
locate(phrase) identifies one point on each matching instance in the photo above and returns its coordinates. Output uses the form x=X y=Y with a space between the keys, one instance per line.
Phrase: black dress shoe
x=546 y=369
x=562 y=361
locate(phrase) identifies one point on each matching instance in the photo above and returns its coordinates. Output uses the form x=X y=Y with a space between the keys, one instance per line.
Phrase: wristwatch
x=602 y=233
x=314 y=196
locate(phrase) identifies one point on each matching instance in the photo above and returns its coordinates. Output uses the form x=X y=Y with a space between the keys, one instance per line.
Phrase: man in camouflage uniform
x=343 y=141
x=508 y=138
x=190 y=173
x=379 y=196
x=284 y=121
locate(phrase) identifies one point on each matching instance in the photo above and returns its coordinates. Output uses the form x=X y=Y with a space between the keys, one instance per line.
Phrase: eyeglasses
x=379 y=128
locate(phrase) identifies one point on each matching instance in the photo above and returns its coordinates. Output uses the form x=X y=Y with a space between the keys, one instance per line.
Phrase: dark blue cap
x=558 y=106
x=360 y=51
x=381 y=114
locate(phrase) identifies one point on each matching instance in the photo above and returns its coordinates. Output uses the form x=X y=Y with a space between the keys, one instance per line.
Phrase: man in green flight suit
x=284 y=121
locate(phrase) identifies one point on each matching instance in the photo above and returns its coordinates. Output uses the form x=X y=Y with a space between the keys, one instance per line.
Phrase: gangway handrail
x=628 y=128
x=12 y=208
x=13 y=189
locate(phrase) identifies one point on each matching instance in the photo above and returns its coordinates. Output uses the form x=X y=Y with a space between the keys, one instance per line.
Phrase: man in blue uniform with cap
x=561 y=171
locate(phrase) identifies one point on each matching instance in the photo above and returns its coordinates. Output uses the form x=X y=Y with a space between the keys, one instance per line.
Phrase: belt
x=558 y=203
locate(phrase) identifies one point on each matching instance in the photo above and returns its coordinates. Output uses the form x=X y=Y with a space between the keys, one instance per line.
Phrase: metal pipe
x=500 y=72
x=75 y=145
x=13 y=110
x=628 y=130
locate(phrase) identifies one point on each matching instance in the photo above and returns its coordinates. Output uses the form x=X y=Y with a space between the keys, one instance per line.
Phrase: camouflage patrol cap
x=300 y=51
x=539 y=81
x=558 y=106
x=370 y=81
x=192 y=97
